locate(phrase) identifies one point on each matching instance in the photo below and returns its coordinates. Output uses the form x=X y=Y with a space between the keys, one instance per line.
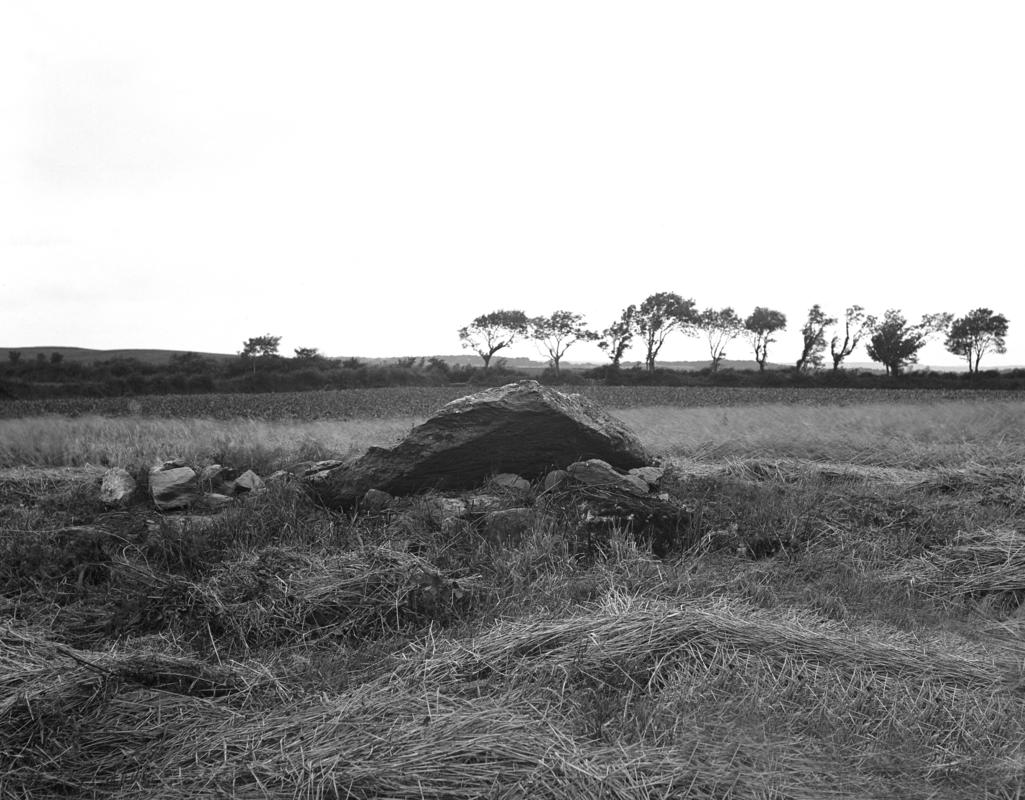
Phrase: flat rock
x=650 y=475
x=595 y=472
x=522 y=428
x=173 y=487
x=117 y=487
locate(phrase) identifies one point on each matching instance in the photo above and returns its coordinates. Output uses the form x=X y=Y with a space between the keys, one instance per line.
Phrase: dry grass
x=897 y=435
x=290 y=653
x=138 y=442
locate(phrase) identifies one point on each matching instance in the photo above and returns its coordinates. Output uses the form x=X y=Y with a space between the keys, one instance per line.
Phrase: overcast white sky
x=368 y=177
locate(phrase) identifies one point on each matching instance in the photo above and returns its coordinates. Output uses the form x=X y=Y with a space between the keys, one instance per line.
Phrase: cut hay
x=283 y=596
x=71 y=724
x=629 y=629
x=977 y=564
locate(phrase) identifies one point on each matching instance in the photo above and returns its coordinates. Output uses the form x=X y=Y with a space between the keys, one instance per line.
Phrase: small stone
x=512 y=482
x=249 y=481
x=117 y=487
x=554 y=478
x=442 y=508
x=173 y=487
x=215 y=478
x=375 y=500
x=595 y=472
x=483 y=503
x=508 y=526
x=650 y=475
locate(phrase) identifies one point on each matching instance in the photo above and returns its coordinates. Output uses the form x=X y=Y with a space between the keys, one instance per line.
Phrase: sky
x=368 y=177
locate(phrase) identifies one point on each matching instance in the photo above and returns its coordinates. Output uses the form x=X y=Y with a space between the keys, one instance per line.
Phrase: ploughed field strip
x=419 y=401
x=811 y=629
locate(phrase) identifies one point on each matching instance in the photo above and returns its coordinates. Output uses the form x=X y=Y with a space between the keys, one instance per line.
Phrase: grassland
x=842 y=620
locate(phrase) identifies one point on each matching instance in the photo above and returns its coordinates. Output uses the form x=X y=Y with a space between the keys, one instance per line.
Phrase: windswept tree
x=492 y=332
x=556 y=333
x=813 y=333
x=260 y=347
x=855 y=325
x=760 y=326
x=660 y=315
x=974 y=334
x=616 y=339
x=895 y=343
x=307 y=353
x=721 y=327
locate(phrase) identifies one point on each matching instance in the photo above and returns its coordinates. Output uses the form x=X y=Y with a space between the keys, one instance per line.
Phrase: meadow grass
x=820 y=631
x=918 y=435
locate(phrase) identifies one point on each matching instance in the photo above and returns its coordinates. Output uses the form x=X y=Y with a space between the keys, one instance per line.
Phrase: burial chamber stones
x=521 y=428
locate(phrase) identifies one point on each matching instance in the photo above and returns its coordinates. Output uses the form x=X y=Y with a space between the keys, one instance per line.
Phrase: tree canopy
x=856 y=323
x=721 y=327
x=616 y=339
x=557 y=332
x=895 y=343
x=813 y=333
x=760 y=325
x=972 y=335
x=658 y=316
x=489 y=333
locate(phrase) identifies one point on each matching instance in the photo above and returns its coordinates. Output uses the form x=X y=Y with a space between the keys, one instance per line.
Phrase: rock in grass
x=173 y=487
x=650 y=475
x=215 y=478
x=523 y=428
x=374 y=501
x=248 y=481
x=511 y=482
x=553 y=479
x=595 y=472
x=117 y=487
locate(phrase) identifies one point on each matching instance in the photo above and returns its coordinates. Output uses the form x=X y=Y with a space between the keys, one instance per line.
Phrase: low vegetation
x=842 y=620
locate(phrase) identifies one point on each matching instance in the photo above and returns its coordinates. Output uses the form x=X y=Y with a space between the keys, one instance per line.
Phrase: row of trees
x=891 y=340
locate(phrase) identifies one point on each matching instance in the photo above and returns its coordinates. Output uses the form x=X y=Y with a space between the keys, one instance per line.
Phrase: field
x=841 y=620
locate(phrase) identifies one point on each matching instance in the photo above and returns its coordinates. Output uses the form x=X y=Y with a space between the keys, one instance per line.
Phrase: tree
x=658 y=316
x=56 y=358
x=260 y=347
x=761 y=325
x=616 y=339
x=307 y=353
x=895 y=343
x=856 y=323
x=814 y=334
x=14 y=356
x=972 y=335
x=557 y=332
x=721 y=327
x=492 y=332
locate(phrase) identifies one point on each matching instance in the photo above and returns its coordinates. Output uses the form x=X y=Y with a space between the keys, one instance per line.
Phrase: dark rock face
x=523 y=428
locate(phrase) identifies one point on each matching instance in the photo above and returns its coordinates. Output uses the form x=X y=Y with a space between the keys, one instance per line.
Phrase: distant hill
x=86 y=355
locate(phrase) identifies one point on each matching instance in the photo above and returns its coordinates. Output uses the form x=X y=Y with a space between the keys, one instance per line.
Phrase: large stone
x=117 y=487
x=595 y=472
x=523 y=428
x=173 y=487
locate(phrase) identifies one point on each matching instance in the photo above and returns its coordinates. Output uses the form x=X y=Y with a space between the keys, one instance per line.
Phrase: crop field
x=412 y=401
x=842 y=618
